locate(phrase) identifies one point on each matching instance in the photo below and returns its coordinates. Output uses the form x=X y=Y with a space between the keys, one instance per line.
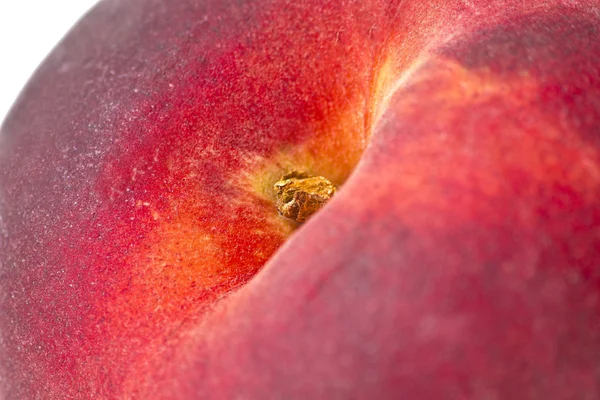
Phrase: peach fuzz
x=142 y=256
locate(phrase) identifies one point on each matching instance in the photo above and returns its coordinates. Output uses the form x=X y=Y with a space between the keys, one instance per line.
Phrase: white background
x=29 y=29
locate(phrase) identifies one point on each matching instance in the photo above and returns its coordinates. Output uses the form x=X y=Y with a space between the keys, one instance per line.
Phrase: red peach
x=141 y=250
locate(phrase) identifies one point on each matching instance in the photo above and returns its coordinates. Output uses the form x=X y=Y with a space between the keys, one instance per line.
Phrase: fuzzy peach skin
x=141 y=251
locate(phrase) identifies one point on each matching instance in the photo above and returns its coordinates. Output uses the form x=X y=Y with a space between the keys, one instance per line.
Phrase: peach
x=143 y=256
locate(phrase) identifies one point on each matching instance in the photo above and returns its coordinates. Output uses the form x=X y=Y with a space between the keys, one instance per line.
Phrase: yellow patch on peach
x=456 y=84
x=332 y=152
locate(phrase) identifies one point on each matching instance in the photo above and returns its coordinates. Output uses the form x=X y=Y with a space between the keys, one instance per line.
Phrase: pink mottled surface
x=459 y=260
